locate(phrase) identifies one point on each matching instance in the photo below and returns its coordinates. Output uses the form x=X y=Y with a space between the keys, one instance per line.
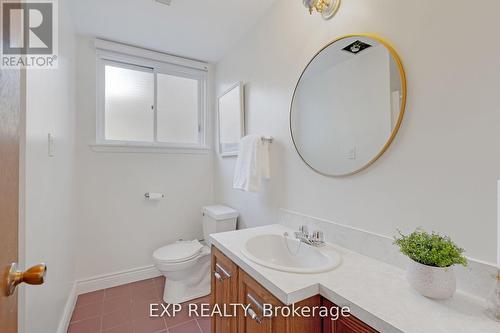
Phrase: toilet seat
x=180 y=251
x=169 y=266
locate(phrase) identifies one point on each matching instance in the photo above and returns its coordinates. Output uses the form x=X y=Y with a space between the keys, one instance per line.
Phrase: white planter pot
x=432 y=282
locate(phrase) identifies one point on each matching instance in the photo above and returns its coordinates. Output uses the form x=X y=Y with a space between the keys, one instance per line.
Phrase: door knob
x=34 y=275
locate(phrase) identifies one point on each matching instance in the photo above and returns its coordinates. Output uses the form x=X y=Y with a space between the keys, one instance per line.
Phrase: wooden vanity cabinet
x=224 y=290
x=344 y=324
x=231 y=285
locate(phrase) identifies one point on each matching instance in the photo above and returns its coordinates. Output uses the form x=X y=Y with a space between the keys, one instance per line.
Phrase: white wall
x=440 y=172
x=118 y=230
x=49 y=219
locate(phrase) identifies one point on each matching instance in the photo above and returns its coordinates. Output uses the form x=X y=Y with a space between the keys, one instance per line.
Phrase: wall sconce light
x=327 y=8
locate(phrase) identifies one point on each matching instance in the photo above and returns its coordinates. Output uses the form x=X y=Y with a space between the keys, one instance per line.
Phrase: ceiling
x=198 y=29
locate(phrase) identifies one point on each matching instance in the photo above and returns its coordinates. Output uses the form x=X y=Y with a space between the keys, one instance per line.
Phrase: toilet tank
x=218 y=218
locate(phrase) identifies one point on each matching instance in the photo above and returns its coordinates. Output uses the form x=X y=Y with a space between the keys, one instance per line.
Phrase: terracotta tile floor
x=125 y=309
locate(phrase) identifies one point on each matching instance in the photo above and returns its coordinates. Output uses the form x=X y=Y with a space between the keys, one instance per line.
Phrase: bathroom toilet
x=186 y=264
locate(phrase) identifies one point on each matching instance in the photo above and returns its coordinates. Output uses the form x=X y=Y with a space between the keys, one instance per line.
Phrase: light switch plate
x=51 y=146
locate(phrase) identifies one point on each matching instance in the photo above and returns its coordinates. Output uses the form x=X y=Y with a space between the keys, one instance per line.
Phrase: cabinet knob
x=254 y=315
x=251 y=312
x=220 y=270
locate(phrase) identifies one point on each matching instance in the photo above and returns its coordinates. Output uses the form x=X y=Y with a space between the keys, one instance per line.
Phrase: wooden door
x=10 y=109
x=344 y=324
x=224 y=290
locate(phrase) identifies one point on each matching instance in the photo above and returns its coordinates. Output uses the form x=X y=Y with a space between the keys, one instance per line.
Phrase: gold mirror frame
x=402 y=75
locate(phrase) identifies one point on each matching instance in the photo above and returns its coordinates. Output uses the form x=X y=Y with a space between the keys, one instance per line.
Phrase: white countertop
x=377 y=293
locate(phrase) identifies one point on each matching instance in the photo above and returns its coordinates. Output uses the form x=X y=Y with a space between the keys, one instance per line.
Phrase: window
x=149 y=102
x=177 y=109
x=128 y=103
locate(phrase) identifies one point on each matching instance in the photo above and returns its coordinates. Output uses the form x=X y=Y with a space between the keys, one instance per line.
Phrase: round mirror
x=348 y=105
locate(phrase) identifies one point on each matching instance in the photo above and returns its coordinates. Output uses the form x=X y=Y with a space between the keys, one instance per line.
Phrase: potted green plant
x=430 y=270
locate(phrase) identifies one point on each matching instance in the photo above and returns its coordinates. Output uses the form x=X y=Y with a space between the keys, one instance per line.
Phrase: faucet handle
x=304 y=229
x=318 y=236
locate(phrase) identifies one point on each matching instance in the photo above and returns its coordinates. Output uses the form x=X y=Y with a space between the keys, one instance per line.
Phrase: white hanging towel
x=252 y=164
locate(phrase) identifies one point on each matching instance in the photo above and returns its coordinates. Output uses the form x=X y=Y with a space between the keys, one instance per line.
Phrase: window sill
x=148 y=149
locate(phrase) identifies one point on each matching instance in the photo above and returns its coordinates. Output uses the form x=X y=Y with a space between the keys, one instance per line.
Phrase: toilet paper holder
x=154 y=196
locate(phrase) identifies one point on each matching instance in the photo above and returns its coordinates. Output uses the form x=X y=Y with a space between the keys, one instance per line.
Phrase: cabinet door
x=224 y=290
x=253 y=294
x=344 y=324
x=306 y=324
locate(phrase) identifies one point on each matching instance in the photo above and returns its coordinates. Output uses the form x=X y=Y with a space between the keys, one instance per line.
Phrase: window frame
x=123 y=56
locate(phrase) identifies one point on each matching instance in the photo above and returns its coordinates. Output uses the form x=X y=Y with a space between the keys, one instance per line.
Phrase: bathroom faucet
x=317 y=237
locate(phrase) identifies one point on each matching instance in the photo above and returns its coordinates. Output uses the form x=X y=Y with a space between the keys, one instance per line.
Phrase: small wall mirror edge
x=231 y=119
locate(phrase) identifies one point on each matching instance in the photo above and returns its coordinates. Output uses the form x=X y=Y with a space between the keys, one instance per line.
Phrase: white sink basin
x=271 y=251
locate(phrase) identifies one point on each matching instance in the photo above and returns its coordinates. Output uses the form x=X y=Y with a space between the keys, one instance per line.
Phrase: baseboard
x=102 y=282
x=68 y=310
x=115 y=279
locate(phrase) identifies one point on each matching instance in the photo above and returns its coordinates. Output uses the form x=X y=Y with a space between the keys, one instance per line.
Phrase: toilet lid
x=178 y=251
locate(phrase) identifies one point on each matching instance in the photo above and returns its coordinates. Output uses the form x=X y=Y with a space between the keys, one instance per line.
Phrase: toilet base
x=188 y=284
x=176 y=293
